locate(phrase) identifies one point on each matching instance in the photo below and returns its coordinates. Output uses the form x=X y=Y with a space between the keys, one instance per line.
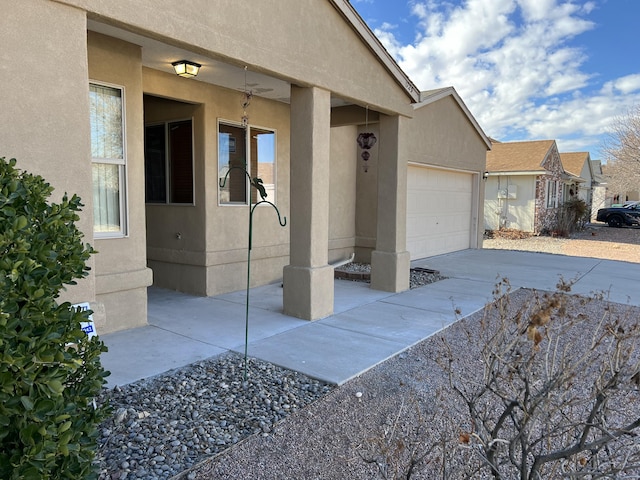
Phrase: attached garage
x=446 y=154
x=439 y=211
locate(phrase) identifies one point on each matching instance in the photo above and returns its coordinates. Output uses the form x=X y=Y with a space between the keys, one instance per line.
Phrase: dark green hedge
x=49 y=371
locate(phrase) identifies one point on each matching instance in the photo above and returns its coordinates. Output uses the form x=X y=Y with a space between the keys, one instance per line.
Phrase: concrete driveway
x=367 y=327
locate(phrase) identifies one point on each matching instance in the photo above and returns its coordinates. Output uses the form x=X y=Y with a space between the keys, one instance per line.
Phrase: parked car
x=629 y=214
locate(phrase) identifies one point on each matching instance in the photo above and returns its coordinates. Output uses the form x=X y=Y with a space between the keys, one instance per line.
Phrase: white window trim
x=247 y=146
x=552 y=199
x=123 y=177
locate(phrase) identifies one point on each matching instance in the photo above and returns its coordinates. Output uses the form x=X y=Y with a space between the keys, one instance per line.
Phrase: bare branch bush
x=622 y=152
x=397 y=448
x=540 y=385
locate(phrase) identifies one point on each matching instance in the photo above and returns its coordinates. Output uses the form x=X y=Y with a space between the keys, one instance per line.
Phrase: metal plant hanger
x=256 y=183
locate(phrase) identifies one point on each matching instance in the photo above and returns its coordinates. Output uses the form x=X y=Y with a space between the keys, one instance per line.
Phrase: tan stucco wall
x=442 y=135
x=121 y=263
x=44 y=101
x=516 y=213
x=317 y=47
x=367 y=198
x=342 y=193
x=210 y=256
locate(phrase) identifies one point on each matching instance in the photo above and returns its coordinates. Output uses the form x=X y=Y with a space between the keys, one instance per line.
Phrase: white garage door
x=439 y=206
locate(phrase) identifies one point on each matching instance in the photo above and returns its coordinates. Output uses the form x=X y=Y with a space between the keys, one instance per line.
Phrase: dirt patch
x=594 y=241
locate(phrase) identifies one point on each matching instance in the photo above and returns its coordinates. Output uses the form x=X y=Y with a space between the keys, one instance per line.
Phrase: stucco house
x=523 y=186
x=92 y=102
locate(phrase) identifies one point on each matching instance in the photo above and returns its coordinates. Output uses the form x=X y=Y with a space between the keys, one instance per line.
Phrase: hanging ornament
x=248 y=95
x=366 y=141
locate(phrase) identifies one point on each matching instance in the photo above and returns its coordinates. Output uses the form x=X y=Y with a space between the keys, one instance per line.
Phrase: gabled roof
x=374 y=44
x=596 y=166
x=430 y=96
x=519 y=156
x=598 y=171
x=574 y=162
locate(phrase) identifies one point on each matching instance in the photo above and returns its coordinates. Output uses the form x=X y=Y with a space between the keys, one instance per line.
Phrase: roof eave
x=517 y=172
x=374 y=44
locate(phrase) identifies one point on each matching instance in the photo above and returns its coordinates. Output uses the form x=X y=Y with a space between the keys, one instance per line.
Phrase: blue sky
x=527 y=69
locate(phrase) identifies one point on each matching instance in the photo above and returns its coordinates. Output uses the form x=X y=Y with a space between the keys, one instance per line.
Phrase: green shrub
x=49 y=370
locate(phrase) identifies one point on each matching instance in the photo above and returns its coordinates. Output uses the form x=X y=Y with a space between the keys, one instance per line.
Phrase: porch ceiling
x=159 y=55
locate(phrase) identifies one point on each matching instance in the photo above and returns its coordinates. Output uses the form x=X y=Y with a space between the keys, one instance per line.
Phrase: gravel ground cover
x=164 y=425
x=417 y=276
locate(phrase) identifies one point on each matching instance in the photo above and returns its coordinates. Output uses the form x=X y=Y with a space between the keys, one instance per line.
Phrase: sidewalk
x=367 y=327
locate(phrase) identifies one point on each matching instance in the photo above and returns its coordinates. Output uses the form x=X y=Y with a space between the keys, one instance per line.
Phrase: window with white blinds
x=108 y=156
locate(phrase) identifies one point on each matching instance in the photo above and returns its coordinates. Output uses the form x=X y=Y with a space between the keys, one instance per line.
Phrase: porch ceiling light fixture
x=186 y=69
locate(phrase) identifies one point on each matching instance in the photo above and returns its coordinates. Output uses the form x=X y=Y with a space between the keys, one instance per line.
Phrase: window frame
x=167 y=162
x=120 y=162
x=552 y=197
x=248 y=192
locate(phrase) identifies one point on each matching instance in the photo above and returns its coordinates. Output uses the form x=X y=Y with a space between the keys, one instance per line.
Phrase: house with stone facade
x=523 y=186
x=159 y=115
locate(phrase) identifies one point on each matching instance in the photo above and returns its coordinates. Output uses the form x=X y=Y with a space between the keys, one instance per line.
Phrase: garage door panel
x=438 y=211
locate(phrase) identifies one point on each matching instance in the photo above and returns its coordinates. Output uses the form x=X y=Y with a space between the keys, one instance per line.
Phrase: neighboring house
x=599 y=195
x=523 y=186
x=96 y=108
x=579 y=178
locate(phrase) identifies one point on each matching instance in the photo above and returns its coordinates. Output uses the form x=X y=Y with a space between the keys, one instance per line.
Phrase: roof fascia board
x=590 y=165
x=440 y=167
x=518 y=173
x=573 y=178
x=363 y=30
x=450 y=91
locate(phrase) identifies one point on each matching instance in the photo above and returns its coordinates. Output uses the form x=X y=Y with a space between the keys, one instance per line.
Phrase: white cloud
x=628 y=84
x=512 y=63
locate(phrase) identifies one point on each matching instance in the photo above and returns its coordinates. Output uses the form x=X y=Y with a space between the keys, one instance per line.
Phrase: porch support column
x=390 y=260
x=308 y=280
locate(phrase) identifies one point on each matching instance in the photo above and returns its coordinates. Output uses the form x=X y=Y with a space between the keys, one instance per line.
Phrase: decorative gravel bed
x=165 y=425
x=360 y=272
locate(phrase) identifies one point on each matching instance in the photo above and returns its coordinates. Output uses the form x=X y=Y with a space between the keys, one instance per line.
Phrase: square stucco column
x=308 y=280
x=390 y=261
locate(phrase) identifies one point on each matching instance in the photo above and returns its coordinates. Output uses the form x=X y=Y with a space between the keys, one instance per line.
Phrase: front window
x=108 y=158
x=233 y=151
x=552 y=193
x=168 y=160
